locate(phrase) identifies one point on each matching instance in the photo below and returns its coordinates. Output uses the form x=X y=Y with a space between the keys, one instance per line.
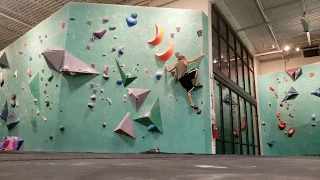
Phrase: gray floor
x=86 y=166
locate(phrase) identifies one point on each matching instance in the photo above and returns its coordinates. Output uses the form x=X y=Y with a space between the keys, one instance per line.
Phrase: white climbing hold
x=109 y=101
x=15 y=74
x=44 y=118
x=35 y=100
x=38 y=112
x=125 y=96
x=263 y=123
x=102 y=90
x=93 y=97
x=269 y=104
x=314 y=124
x=103 y=54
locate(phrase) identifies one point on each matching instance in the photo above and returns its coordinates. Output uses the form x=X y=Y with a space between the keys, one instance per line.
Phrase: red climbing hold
x=281 y=104
x=282 y=125
x=63 y=25
x=243 y=126
x=235 y=133
x=278 y=115
x=271 y=88
x=291 y=132
x=276 y=95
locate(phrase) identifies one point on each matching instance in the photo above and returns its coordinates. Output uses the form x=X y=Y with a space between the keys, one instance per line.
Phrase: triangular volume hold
x=138 y=96
x=126 y=75
x=4 y=61
x=125 y=127
x=12 y=119
x=75 y=65
x=291 y=95
x=34 y=85
x=294 y=73
x=54 y=57
x=153 y=117
x=4 y=112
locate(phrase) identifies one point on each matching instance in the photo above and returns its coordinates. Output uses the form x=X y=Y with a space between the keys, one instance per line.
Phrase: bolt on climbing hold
x=47 y=102
x=114 y=48
x=119 y=81
x=269 y=104
x=112 y=28
x=51 y=137
x=13 y=100
x=29 y=72
x=158 y=75
x=88 y=47
x=61 y=128
x=89 y=22
x=90 y=105
x=92 y=85
x=109 y=101
x=93 y=97
x=103 y=54
x=95 y=91
x=44 y=118
x=102 y=90
x=35 y=100
x=50 y=77
x=121 y=50
x=263 y=123
x=104 y=124
x=105 y=19
x=172 y=35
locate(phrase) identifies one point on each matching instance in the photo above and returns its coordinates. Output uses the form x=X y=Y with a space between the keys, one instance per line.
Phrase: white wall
x=276 y=64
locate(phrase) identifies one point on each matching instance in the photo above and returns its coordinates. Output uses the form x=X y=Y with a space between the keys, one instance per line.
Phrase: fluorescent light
x=297 y=49
x=287 y=48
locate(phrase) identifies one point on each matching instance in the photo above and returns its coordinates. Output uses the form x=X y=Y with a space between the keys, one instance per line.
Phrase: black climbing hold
x=199 y=33
x=56 y=85
x=72 y=19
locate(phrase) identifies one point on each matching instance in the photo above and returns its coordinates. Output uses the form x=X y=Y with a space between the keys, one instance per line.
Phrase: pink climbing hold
x=291 y=132
x=276 y=95
x=278 y=115
x=63 y=25
x=271 y=88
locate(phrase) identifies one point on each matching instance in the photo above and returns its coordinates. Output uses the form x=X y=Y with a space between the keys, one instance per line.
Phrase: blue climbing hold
x=131 y=21
x=134 y=15
x=20 y=52
x=313 y=117
x=121 y=50
x=152 y=128
x=30 y=58
x=119 y=81
x=158 y=75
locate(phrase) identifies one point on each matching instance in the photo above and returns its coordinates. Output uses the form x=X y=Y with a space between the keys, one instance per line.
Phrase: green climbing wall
x=296 y=113
x=183 y=130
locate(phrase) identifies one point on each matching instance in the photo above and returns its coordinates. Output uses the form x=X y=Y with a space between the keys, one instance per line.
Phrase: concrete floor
x=86 y=166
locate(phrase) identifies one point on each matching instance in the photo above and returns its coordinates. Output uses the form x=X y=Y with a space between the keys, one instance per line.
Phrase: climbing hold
x=263 y=123
x=93 y=97
x=15 y=74
x=105 y=72
x=41 y=78
x=291 y=132
x=152 y=128
x=311 y=74
x=164 y=56
x=13 y=100
x=61 y=128
x=199 y=33
x=316 y=92
x=89 y=22
x=178 y=29
x=314 y=124
x=281 y=125
x=102 y=98
x=313 y=117
x=123 y=73
x=134 y=15
x=50 y=77
x=109 y=101
x=271 y=143
x=158 y=75
x=88 y=47
x=20 y=52
x=114 y=48
x=138 y=96
x=158 y=37
x=104 y=124
x=50 y=136
x=106 y=19
x=112 y=28
x=30 y=58
x=93 y=65
x=44 y=118
x=170 y=96
x=269 y=104
x=95 y=91
x=172 y=35
x=47 y=102
x=92 y=39
x=291 y=95
x=146 y=71
x=235 y=134
x=103 y=54
x=131 y=21
x=45 y=35
x=90 y=105
x=271 y=88
x=278 y=115
x=281 y=104
x=29 y=72
x=63 y=25
x=125 y=127
x=121 y=50
x=100 y=34
x=119 y=81
x=114 y=37
x=92 y=85
x=102 y=90
x=294 y=73
x=72 y=19
x=153 y=116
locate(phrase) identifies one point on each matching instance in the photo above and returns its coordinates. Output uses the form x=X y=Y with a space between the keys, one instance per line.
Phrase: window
x=235 y=100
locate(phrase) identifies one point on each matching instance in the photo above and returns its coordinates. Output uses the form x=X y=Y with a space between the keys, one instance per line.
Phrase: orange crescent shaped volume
x=159 y=36
x=166 y=54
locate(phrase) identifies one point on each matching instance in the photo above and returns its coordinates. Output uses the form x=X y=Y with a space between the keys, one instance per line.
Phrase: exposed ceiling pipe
x=268 y=53
x=260 y=7
x=309 y=38
x=16 y=20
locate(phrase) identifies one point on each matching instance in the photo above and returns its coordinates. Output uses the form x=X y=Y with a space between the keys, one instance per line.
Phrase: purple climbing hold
x=100 y=34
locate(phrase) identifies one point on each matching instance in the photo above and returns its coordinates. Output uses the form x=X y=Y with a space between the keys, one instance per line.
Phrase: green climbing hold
x=51 y=136
x=61 y=128
x=50 y=77
x=126 y=75
x=112 y=27
x=47 y=102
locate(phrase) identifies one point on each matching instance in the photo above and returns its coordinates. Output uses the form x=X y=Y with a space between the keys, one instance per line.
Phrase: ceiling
x=276 y=22
x=19 y=16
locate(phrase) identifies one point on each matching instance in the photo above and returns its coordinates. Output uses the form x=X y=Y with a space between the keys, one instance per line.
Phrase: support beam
x=292 y=3
x=268 y=53
x=254 y=26
x=16 y=20
x=260 y=7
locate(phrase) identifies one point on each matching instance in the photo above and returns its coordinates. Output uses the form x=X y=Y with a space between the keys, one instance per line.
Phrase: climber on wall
x=185 y=77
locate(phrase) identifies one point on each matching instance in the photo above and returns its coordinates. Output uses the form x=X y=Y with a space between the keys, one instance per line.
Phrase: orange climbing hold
x=158 y=37
x=166 y=54
x=311 y=74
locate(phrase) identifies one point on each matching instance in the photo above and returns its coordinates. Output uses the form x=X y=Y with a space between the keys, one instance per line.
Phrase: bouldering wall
x=288 y=111
x=112 y=86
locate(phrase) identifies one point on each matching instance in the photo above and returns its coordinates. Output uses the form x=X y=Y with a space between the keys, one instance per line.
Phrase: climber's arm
x=170 y=69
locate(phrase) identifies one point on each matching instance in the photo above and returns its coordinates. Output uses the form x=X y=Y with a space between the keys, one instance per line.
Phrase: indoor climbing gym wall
x=92 y=78
x=289 y=110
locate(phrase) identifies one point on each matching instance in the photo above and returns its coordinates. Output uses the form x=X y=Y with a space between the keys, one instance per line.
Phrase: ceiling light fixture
x=287 y=48
x=297 y=49
x=215 y=61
